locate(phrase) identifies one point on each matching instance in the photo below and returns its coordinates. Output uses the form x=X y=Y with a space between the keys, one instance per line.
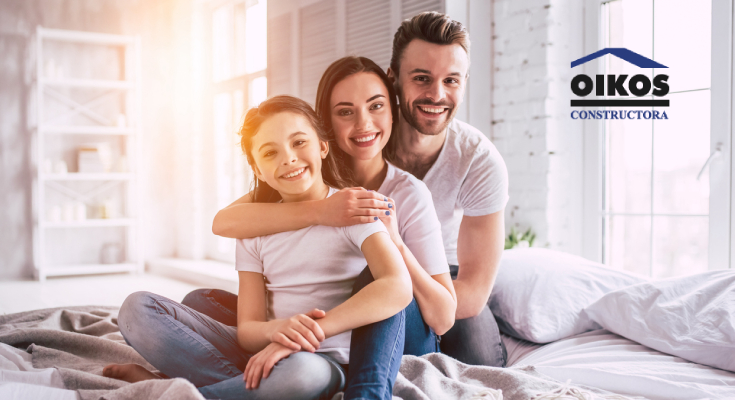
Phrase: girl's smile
x=294 y=174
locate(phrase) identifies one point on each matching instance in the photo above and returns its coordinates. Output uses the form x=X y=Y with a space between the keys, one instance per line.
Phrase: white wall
x=534 y=43
x=154 y=22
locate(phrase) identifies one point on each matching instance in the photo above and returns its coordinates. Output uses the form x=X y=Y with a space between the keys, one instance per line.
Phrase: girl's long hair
x=331 y=169
x=335 y=73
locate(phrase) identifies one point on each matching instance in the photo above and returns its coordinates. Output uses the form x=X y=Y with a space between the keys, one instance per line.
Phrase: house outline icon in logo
x=622 y=53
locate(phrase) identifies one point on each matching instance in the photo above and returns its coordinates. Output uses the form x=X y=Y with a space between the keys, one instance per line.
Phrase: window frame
x=213 y=248
x=721 y=223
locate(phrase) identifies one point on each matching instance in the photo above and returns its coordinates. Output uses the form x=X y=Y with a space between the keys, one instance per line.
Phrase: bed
x=572 y=328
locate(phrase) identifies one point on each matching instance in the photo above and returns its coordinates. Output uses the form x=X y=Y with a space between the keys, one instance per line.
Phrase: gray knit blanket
x=80 y=341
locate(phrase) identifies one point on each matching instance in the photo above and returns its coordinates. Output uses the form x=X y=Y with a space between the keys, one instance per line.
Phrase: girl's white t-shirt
x=309 y=268
x=418 y=223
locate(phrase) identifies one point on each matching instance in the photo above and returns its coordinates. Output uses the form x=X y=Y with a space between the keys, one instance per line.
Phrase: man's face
x=431 y=84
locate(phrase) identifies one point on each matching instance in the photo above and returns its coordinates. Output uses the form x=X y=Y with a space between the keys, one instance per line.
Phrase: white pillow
x=692 y=317
x=539 y=294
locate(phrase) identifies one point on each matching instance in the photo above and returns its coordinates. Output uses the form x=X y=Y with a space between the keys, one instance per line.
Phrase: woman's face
x=288 y=154
x=361 y=115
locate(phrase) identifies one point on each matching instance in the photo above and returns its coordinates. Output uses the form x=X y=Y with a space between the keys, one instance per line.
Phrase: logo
x=611 y=86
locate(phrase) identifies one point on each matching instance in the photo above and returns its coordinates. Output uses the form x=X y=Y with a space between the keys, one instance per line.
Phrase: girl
x=357 y=103
x=286 y=280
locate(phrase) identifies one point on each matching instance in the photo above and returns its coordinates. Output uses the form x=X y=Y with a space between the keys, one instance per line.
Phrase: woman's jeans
x=375 y=349
x=476 y=340
x=184 y=343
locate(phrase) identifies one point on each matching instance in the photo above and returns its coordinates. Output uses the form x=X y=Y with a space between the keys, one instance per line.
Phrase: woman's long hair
x=338 y=71
x=331 y=170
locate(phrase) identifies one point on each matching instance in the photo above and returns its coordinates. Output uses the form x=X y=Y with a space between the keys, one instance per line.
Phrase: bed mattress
x=607 y=361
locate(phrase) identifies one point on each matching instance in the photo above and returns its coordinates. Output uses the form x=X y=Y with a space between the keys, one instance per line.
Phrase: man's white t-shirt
x=418 y=224
x=313 y=267
x=468 y=178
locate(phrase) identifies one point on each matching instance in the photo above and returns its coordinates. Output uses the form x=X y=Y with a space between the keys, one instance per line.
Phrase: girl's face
x=288 y=155
x=361 y=115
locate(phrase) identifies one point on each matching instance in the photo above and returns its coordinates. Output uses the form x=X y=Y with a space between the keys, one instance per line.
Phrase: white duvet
x=599 y=359
x=20 y=381
x=607 y=361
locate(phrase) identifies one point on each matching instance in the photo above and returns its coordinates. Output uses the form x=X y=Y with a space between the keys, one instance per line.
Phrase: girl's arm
x=383 y=298
x=251 y=312
x=434 y=294
x=299 y=332
x=244 y=219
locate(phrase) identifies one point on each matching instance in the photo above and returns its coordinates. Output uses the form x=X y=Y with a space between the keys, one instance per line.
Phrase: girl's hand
x=351 y=206
x=390 y=220
x=261 y=364
x=299 y=332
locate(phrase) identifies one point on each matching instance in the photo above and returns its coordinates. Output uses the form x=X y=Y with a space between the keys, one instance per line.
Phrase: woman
x=357 y=103
x=286 y=280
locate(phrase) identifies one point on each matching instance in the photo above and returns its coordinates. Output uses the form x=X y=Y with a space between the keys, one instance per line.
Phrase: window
x=655 y=204
x=238 y=82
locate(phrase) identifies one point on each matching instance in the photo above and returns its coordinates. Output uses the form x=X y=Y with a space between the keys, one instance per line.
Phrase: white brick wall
x=534 y=43
x=519 y=111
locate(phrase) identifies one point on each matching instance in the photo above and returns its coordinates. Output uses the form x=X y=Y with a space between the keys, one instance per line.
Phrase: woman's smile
x=366 y=140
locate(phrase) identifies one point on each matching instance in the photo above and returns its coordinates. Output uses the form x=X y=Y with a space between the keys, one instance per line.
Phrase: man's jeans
x=181 y=342
x=375 y=349
x=476 y=340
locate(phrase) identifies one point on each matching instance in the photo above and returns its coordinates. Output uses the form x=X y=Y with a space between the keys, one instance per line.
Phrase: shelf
x=76 y=176
x=89 y=223
x=76 y=108
x=86 y=130
x=85 y=37
x=87 y=83
x=84 y=269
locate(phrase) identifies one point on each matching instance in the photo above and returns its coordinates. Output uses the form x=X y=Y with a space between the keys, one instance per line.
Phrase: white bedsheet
x=20 y=381
x=607 y=361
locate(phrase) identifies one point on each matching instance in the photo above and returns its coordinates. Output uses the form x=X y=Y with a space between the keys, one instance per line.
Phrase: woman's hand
x=299 y=332
x=390 y=220
x=351 y=206
x=262 y=363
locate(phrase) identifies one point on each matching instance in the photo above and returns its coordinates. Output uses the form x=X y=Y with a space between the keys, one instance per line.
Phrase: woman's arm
x=434 y=294
x=244 y=219
x=383 y=298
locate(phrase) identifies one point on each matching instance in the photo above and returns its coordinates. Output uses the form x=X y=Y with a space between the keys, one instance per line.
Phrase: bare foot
x=128 y=372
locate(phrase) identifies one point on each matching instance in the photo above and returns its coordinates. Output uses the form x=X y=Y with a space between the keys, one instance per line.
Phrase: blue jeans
x=476 y=340
x=181 y=342
x=375 y=349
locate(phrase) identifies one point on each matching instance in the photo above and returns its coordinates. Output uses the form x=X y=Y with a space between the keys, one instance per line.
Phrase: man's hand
x=299 y=332
x=261 y=364
x=351 y=206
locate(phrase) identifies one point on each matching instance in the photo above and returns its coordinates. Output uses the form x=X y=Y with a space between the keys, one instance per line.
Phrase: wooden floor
x=108 y=290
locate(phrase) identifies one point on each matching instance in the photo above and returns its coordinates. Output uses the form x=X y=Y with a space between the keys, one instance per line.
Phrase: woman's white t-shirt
x=418 y=223
x=309 y=268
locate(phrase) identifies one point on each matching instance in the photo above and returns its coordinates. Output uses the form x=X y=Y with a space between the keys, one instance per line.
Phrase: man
x=463 y=170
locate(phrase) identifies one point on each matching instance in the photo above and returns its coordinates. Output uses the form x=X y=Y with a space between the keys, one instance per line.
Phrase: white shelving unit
x=73 y=94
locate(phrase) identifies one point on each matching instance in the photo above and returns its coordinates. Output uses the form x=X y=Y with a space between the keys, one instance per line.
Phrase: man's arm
x=479 y=247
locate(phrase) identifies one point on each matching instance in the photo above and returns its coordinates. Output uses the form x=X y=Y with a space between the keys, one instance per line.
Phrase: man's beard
x=408 y=112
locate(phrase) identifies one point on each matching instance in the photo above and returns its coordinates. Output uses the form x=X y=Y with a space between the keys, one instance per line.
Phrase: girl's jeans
x=184 y=343
x=375 y=350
